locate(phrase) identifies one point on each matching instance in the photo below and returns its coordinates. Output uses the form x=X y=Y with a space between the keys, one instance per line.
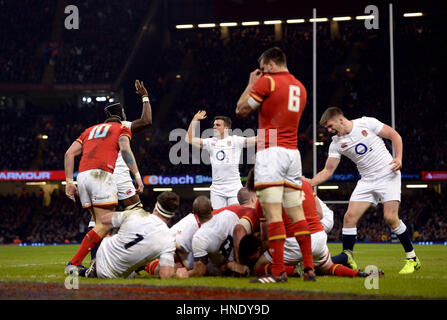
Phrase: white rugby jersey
x=142 y=237
x=183 y=231
x=225 y=156
x=364 y=147
x=214 y=239
x=120 y=165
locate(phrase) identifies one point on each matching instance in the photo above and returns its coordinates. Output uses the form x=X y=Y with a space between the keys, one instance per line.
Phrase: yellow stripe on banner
x=256 y=97
x=278 y=237
x=272 y=83
x=301 y=233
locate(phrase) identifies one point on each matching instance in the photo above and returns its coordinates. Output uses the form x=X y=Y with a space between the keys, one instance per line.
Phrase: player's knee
x=292 y=199
x=271 y=194
x=350 y=220
x=391 y=218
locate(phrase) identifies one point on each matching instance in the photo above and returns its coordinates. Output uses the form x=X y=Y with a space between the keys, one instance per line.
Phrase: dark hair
x=275 y=54
x=115 y=110
x=329 y=114
x=243 y=195
x=202 y=207
x=248 y=246
x=250 y=183
x=226 y=120
x=169 y=201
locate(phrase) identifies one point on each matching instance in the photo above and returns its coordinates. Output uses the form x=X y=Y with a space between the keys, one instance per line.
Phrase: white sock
x=400 y=229
x=349 y=231
x=92 y=224
x=410 y=254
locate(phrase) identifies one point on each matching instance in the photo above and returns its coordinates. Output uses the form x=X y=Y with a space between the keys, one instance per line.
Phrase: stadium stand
x=206 y=69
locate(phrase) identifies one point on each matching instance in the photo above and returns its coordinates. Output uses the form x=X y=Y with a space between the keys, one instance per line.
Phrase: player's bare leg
x=391 y=216
x=94 y=236
x=270 y=199
x=292 y=203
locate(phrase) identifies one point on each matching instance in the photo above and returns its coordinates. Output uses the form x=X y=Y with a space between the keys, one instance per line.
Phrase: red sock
x=302 y=235
x=342 y=271
x=90 y=240
x=263 y=269
x=266 y=268
x=150 y=266
x=277 y=237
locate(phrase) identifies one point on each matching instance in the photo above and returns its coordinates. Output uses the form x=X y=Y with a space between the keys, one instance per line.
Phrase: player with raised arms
x=127 y=195
x=225 y=153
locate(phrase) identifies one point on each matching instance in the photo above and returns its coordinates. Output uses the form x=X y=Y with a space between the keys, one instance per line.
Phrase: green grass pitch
x=46 y=264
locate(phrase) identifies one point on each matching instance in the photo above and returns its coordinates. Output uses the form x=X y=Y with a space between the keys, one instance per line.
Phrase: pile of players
x=273 y=228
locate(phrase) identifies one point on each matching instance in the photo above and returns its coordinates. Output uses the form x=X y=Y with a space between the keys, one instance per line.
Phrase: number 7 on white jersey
x=294 y=98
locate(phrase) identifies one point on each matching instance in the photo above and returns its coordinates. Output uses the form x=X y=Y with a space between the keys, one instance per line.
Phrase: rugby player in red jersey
x=99 y=146
x=280 y=100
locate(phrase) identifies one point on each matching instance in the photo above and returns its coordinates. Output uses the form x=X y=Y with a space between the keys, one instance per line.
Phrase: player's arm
x=129 y=159
x=190 y=136
x=166 y=272
x=251 y=141
x=199 y=269
x=236 y=267
x=146 y=116
x=326 y=173
x=319 y=208
x=240 y=231
x=389 y=133
x=246 y=105
x=73 y=151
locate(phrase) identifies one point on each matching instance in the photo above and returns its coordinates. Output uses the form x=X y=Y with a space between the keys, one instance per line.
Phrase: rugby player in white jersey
x=185 y=229
x=361 y=141
x=212 y=243
x=142 y=237
x=127 y=194
x=225 y=153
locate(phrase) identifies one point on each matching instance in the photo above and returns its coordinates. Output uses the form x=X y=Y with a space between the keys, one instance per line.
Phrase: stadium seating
x=210 y=72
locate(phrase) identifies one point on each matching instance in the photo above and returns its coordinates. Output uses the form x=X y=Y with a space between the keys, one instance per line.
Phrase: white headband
x=165 y=213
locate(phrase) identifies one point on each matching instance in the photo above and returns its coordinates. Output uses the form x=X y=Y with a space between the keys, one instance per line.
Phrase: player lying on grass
x=250 y=249
x=211 y=245
x=315 y=211
x=142 y=237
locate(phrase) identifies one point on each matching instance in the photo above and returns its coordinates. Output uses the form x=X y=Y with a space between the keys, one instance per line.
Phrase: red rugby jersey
x=100 y=146
x=283 y=99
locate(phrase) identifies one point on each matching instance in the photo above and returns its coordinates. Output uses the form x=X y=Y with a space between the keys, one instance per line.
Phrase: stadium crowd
x=203 y=70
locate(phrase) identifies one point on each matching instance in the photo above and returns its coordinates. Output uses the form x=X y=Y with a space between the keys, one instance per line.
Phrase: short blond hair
x=329 y=114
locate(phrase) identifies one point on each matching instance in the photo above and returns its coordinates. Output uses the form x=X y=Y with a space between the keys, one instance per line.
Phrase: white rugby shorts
x=218 y=201
x=293 y=255
x=278 y=166
x=96 y=188
x=124 y=185
x=378 y=189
